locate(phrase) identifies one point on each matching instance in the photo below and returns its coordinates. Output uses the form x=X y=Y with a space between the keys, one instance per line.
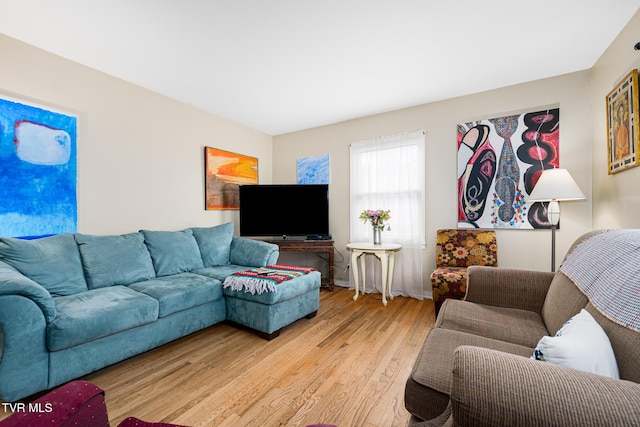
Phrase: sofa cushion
x=625 y=343
x=214 y=243
x=220 y=272
x=579 y=344
x=563 y=301
x=428 y=387
x=173 y=252
x=512 y=325
x=53 y=262
x=180 y=291
x=114 y=260
x=97 y=313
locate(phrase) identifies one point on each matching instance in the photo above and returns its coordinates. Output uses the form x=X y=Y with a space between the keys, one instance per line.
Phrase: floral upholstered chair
x=455 y=251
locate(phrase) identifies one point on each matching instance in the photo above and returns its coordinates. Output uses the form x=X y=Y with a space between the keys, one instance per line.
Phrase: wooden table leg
x=354 y=268
x=392 y=263
x=384 y=264
x=363 y=270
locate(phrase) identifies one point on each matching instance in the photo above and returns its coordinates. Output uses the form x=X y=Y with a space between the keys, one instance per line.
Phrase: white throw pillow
x=579 y=344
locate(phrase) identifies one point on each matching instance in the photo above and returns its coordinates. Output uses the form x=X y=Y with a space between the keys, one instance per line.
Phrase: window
x=389 y=173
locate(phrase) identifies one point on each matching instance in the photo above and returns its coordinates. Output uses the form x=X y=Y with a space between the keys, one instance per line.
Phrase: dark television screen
x=284 y=210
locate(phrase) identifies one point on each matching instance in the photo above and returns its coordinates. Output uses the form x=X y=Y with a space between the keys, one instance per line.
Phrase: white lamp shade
x=555 y=184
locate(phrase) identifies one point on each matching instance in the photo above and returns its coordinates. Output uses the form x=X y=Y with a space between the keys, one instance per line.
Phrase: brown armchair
x=455 y=251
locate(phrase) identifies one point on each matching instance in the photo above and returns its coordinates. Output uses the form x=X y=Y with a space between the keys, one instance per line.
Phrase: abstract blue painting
x=314 y=170
x=38 y=171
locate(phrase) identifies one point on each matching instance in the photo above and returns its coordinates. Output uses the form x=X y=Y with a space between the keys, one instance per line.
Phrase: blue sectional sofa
x=71 y=304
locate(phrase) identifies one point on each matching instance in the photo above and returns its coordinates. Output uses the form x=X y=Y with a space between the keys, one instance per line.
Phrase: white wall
x=140 y=154
x=616 y=197
x=517 y=249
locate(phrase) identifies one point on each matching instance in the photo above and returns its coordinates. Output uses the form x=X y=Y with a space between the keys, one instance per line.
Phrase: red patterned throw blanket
x=264 y=279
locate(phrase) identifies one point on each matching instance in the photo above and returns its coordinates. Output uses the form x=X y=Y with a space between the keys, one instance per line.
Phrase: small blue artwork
x=314 y=170
x=38 y=172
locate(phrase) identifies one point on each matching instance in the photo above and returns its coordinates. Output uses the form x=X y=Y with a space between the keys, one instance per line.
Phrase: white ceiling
x=284 y=65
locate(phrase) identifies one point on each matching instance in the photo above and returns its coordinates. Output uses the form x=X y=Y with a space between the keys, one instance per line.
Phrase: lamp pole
x=553 y=215
x=553 y=248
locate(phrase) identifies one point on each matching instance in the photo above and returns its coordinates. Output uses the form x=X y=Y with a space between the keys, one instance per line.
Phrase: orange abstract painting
x=224 y=173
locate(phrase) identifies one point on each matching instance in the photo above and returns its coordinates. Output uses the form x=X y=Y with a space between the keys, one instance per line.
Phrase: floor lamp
x=553 y=186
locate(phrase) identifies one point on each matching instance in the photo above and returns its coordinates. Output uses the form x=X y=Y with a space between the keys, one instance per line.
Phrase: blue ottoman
x=268 y=312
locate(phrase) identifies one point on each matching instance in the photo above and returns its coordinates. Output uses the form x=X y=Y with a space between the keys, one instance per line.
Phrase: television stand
x=314 y=246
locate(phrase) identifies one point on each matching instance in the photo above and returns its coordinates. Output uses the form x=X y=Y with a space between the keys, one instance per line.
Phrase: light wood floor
x=347 y=366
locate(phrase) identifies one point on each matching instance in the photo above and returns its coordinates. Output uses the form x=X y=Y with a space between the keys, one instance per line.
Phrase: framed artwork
x=499 y=163
x=224 y=173
x=623 y=133
x=38 y=171
x=313 y=170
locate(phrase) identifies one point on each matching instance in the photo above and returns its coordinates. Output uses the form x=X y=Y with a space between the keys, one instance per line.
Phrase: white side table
x=385 y=253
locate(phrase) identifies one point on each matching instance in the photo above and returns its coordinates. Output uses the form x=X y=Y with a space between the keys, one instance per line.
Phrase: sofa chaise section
x=268 y=312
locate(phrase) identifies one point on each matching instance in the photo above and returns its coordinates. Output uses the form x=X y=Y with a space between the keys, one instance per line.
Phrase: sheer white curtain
x=389 y=173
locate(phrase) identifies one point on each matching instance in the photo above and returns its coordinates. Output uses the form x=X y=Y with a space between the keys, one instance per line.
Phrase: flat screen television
x=285 y=210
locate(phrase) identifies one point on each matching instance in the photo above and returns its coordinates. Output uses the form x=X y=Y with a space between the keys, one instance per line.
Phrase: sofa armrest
x=506 y=287
x=12 y=282
x=24 y=357
x=253 y=253
x=25 y=310
x=492 y=388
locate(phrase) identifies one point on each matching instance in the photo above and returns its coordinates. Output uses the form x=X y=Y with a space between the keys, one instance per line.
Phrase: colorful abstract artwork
x=38 y=172
x=314 y=170
x=499 y=163
x=224 y=173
